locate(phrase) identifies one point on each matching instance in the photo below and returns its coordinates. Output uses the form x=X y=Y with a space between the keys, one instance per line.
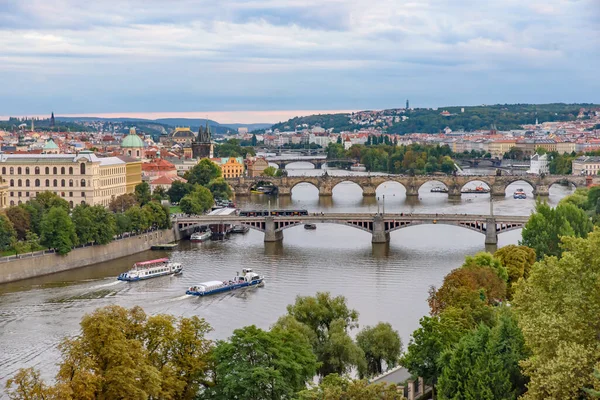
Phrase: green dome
x=50 y=145
x=132 y=140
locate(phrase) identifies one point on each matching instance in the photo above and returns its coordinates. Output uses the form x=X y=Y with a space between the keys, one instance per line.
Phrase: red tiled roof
x=158 y=165
x=167 y=180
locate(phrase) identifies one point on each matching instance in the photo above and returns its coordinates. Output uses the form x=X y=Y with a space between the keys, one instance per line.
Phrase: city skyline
x=266 y=61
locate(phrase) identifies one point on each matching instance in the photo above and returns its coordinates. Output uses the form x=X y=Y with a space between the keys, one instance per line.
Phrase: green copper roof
x=132 y=140
x=50 y=145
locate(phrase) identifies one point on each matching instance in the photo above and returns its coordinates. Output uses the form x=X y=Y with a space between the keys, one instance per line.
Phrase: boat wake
x=107 y=284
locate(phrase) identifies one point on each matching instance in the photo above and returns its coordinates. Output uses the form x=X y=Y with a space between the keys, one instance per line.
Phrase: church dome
x=183 y=133
x=50 y=145
x=132 y=140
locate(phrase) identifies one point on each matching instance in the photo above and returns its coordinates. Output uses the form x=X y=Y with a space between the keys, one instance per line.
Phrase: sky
x=268 y=60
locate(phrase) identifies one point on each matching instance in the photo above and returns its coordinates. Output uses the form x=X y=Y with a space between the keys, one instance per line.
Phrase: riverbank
x=30 y=267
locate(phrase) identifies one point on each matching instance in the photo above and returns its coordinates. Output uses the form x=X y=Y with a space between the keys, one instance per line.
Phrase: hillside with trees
x=427 y=120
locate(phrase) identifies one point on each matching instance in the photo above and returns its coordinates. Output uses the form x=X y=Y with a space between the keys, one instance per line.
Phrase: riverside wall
x=30 y=267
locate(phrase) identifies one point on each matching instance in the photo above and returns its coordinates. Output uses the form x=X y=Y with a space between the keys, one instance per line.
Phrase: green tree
x=7 y=232
x=48 y=200
x=36 y=212
x=142 y=193
x=518 y=261
x=203 y=172
x=380 y=344
x=158 y=215
x=58 y=230
x=335 y=387
x=84 y=225
x=20 y=219
x=484 y=364
x=220 y=189
x=123 y=223
x=557 y=308
x=179 y=189
x=197 y=202
x=326 y=322
x=123 y=354
x=159 y=194
x=269 y=171
x=138 y=219
x=256 y=364
x=547 y=225
x=122 y=203
x=435 y=335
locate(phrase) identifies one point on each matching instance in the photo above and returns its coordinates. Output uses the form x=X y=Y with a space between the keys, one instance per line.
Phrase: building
x=181 y=135
x=498 y=148
x=50 y=147
x=133 y=145
x=164 y=182
x=158 y=167
x=3 y=193
x=529 y=146
x=586 y=165
x=255 y=166
x=202 y=146
x=133 y=172
x=565 y=147
x=77 y=178
x=539 y=164
x=231 y=167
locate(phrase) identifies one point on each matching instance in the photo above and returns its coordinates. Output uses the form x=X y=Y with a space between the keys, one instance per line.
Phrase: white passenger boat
x=151 y=269
x=358 y=167
x=201 y=236
x=248 y=278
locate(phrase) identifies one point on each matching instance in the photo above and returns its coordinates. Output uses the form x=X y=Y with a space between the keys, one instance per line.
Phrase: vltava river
x=384 y=283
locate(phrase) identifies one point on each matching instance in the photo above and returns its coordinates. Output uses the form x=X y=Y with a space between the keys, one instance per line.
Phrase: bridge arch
x=433 y=183
x=518 y=179
x=389 y=182
x=312 y=182
x=346 y=182
x=286 y=164
x=365 y=226
x=475 y=179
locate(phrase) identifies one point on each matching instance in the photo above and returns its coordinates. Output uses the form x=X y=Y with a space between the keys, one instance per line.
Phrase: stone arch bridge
x=369 y=184
x=379 y=225
x=317 y=161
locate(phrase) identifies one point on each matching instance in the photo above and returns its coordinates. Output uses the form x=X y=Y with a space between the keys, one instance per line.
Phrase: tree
x=35 y=211
x=429 y=341
x=484 y=364
x=58 y=230
x=547 y=225
x=518 y=261
x=123 y=223
x=177 y=190
x=257 y=364
x=122 y=354
x=122 y=203
x=335 y=387
x=27 y=384
x=203 y=172
x=197 y=202
x=326 y=321
x=380 y=344
x=158 y=215
x=84 y=225
x=220 y=189
x=159 y=194
x=20 y=219
x=558 y=308
x=93 y=224
x=48 y=200
x=7 y=232
x=142 y=193
x=138 y=219
x=269 y=171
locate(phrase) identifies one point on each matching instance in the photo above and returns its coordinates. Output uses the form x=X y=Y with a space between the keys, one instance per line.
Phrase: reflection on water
x=386 y=282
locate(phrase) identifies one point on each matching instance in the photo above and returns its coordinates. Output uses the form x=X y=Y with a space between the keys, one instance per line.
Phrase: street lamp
x=383 y=204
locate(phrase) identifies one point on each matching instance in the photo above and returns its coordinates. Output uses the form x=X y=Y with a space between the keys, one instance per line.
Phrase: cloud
x=184 y=55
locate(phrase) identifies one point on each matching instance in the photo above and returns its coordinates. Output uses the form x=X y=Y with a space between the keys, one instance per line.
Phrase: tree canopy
x=203 y=172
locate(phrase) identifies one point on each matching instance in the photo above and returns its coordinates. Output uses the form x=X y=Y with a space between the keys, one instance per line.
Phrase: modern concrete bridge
x=379 y=225
x=369 y=183
x=317 y=161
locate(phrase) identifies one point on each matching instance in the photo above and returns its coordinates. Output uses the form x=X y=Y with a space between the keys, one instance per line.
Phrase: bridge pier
x=272 y=235
x=491 y=235
x=325 y=190
x=379 y=234
x=368 y=190
x=454 y=191
x=412 y=190
x=498 y=190
x=541 y=190
x=284 y=191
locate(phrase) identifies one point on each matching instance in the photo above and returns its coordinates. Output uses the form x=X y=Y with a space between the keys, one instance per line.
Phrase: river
x=384 y=283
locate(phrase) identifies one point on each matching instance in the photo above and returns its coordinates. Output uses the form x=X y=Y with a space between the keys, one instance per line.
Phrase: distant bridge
x=317 y=161
x=369 y=183
x=379 y=225
x=480 y=162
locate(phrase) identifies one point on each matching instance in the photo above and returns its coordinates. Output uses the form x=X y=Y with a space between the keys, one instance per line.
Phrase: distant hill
x=193 y=123
x=428 y=120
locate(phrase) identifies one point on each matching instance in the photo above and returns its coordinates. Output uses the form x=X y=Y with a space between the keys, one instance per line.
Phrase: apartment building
x=77 y=178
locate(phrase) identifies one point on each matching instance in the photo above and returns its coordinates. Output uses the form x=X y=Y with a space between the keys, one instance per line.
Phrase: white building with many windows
x=77 y=178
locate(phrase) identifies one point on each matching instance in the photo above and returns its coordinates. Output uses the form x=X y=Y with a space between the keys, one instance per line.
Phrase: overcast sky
x=132 y=56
